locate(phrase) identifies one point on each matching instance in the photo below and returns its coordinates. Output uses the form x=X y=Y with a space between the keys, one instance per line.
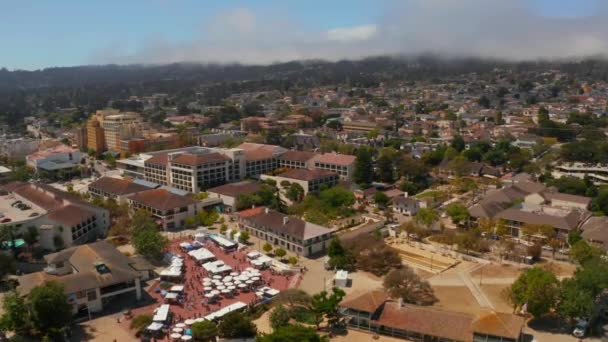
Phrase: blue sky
x=36 y=34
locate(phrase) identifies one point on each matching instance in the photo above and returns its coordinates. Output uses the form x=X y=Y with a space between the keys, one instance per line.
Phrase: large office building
x=95 y=137
x=120 y=126
x=197 y=168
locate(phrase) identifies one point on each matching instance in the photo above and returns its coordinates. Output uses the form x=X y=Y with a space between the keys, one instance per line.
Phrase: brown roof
x=301 y=156
x=70 y=215
x=117 y=186
x=306 y=174
x=366 y=302
x=428 y=321
x=272 y=220
x=260 y=151
x=83 y=260
x=595 y=230
x=158 y=159
x=337 y=159
x=161 y=199
x=566 y=197
x=34 y=195
x=194 y=159
x=569 y=221
x=235 y=189
x=499 y=324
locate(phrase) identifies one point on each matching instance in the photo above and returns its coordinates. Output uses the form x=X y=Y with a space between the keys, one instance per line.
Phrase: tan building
x=119 y=127
x=95 y=135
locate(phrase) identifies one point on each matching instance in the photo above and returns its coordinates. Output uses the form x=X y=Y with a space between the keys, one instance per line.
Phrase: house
x=310 y=180
x=91 y=274
x=290 y=233
x=529 y=203
x=117 y=188
x=229 y=193
x=406 y=205
x=62 y=219
x=373 y=311
x=595 y=231
x=170 y=209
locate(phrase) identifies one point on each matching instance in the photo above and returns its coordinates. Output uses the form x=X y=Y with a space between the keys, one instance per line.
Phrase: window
x=81 y=294
x=91 y=295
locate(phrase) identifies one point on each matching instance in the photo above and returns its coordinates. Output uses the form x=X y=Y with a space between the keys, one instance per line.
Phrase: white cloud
x=485 y=28
x=346 y=34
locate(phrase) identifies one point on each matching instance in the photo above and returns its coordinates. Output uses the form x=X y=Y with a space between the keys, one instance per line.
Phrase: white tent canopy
x=225 y=310
x=155 y=326
x=201 y=254
x=161 y=313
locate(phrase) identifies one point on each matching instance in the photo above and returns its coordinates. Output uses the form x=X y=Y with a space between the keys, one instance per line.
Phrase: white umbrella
x=177 y=330
x=249 y=282
x=206 y=279
x=242 y=286
x=228 y=278
x=209 y=295
x=186 y=338
x=176 y=336
x=255 y=278
x=237 y=282
x=217 y=277
x=231 y=288
x=189 y=321
x=221 y=287
x=234 y=274
x=180 y=325
x=215 y=292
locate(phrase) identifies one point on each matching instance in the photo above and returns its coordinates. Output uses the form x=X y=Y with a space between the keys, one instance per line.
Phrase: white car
x=581 y=328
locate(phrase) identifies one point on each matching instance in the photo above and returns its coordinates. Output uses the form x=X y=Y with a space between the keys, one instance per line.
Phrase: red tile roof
x=307 y=175
x=70 y=215
x=199 y=159
x=235 y=189
x=366 y=302
x=337 y=159
x=499 y=324
x=117 y=186
x=161 y=199
x=159 y=159
x=301 y=156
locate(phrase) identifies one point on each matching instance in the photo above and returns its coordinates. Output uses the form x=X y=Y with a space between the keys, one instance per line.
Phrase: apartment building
x=61 y=219
x=291 y=233
x=92 y=275
x=95 y=136
x=297 y=160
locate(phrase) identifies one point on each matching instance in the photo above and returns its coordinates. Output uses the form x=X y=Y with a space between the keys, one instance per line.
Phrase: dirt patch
x=497 y=271
x=360 y=336
x=456 y=298
x=560 y=269
x=498 y=297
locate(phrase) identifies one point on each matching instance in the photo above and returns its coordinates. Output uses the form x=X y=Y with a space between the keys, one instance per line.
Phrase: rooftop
x=161 y=199
x=117 y=186
x=306 y=174
x=334 y=158
x=280 y=223
x=235 y=189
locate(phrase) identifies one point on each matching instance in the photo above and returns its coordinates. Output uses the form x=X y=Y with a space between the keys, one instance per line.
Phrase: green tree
x=458 y=143
x=141 y=322
x=295 y=192
x=292 y=260
x=236 y=325
x=537 y=288
x=325 y=305
x=149 y=243
x=244 y=237
x=582 y=252
x=543 y=230
x=339 y=257
x=364 y=171
x=7 y=265
x=205 y=331
x=292 y=333
x=574 y=302
x=381 y=199
x=458 y=212
x=280 y=252
x=385 y=169
x=405 y=284
x=267 y=248
x=49 y=309
x=279 y=317
x=16 y=316
x=427 y=216
x=223 y=228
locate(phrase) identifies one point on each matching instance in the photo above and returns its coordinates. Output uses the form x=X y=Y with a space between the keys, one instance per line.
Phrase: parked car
x=5 y=220
x=580 y=329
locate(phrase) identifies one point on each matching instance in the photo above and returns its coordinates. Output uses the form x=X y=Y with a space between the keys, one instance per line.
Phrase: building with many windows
x=169 y=209
x=92 y=275
x=260 y=158
x=62 y=219
x=342 y=164
x=290 y=233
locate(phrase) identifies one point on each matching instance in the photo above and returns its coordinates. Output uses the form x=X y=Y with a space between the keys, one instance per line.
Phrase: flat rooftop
x=14 y=213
